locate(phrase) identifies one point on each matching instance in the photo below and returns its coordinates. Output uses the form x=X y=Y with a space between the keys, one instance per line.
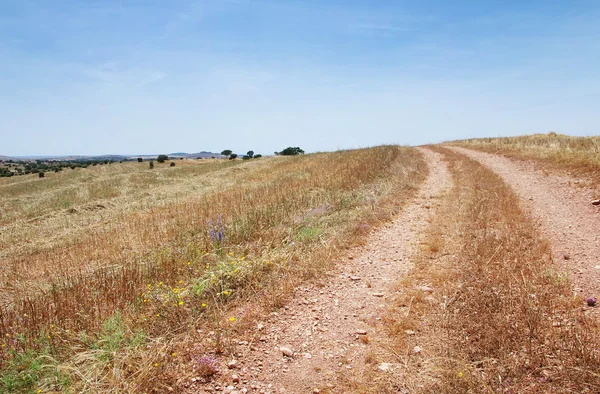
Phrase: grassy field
x=107 y=272
x=580 y=155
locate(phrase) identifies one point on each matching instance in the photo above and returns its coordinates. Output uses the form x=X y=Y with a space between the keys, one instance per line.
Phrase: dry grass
x=580 y=155
x=147 y=274
x=500 y=318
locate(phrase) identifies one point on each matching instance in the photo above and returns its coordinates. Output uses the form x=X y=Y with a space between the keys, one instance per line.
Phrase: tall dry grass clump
x=153 y=274
x=575 y=154
x=500 y=317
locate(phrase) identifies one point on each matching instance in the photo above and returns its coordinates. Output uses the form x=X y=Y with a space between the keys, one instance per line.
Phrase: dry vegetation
x=102 y=271
x=580 y=155
x=500 y=318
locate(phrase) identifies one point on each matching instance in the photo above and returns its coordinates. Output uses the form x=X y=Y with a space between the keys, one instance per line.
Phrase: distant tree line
x=23 y=167
x=289 y=151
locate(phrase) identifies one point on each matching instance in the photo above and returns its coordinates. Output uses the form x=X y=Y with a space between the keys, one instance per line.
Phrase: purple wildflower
x=216 y=231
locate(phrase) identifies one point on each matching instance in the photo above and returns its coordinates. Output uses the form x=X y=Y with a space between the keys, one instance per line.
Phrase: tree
x=162 y=158
x=140 y=160
x=291 y=151
x=232 y=156
x=227 y=152
x=250 y=154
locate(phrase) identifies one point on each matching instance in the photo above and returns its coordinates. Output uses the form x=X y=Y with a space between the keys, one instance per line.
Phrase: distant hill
x=203 y=155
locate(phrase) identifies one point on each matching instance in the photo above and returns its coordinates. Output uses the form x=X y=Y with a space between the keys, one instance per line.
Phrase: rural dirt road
x=562 y=206
x=331 y=329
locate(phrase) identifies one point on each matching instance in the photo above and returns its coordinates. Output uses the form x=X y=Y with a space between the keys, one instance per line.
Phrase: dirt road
x=331 y=329
x=562 y=206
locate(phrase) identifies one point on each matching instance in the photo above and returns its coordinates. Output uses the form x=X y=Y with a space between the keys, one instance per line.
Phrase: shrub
x=140 y=160
x=151 y=164
x=291 y=151
x=257 y=156
x=162 y=158
x=246 y=157
x=172 y=164
x=233 y=156
x=41 y=173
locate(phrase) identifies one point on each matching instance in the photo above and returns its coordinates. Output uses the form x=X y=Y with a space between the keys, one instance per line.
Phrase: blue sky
x=150 y=76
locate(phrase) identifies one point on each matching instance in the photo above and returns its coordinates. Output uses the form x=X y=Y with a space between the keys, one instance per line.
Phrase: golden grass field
x=101 y=268
x=107 y=273
x=579 y=155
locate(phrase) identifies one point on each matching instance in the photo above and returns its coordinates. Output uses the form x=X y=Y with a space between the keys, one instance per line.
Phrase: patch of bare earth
x=562 y=205
x=331 y=333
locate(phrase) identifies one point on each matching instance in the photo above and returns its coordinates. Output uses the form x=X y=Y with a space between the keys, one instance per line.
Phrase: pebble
x=417 y=349
x=378 y=294
x=235 y=378
x=354 y=278
x=288 y=352
x=384 y=367
x=232 y=364
x=361 y=332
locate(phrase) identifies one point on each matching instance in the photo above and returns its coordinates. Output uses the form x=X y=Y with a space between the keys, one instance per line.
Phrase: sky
x=160 y=76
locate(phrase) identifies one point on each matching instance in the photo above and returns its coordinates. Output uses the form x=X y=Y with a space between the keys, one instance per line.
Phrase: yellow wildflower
x=173 y=354
x=460 y=374
x=180 y=303
x=203 y=305
x=225 y=292
x=231 y=253
x=232 y=319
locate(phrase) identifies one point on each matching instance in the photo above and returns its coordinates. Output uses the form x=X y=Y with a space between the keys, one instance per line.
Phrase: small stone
x=378 y=294
x=591 y=301
x=566 y=256
x=316 y=391
x=417 y=349
x=596 y=202
x=235 y=378
x=361 y=332
x=260 y=326
x=355 y=278
x=232 y=364
x=409 y=332
x=426 y=289
x=288 y=352
x=384 y=367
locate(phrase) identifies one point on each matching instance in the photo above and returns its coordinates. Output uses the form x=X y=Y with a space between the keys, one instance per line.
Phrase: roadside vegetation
x=156 y=291
x=579 y=155
x=485 y=310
